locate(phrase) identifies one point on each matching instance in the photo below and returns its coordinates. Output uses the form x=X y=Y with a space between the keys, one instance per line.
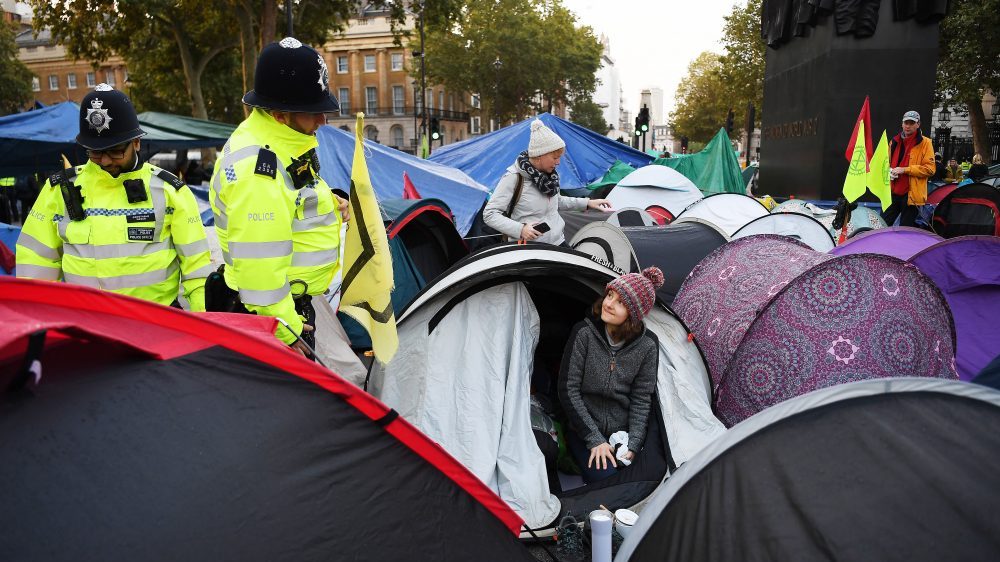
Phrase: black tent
x=675 y=248
x=969 y=210
x=891 y=469
x=155 y=434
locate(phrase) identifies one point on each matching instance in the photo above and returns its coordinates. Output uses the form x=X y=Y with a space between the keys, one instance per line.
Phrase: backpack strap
x=517 y=195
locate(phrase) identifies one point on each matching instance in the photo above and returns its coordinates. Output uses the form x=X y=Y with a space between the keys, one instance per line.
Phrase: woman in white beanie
x=532 y=184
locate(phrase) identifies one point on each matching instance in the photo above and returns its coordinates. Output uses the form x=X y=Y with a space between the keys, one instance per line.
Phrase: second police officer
x=116 y=223
x=277 y=221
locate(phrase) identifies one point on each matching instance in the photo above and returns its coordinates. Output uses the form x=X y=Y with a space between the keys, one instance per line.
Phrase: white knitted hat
x=543 y=140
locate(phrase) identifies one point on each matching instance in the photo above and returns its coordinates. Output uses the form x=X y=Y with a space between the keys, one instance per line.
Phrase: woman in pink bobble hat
x=608 y=376
x=526 y=202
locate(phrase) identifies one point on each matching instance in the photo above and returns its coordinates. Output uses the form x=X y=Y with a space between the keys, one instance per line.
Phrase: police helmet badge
x=290 y=43
x=98 y=118
x=324 y=75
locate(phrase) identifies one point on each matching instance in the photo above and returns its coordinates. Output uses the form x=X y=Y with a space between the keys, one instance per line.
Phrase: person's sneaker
x=569 y=540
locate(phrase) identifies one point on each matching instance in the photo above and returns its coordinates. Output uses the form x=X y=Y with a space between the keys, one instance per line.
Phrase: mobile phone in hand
x=542 y=227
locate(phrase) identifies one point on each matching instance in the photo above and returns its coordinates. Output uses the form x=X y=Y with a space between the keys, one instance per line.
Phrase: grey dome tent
x=134 y=431
x=728 y=211
x=894 y=469
x=655 y=185
x=515 y=306
x=803 y=228
x=675 y=248
x=777 y=319
x=627 y=216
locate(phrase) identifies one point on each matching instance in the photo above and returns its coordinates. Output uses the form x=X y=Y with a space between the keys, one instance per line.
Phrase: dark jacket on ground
x=604 y=392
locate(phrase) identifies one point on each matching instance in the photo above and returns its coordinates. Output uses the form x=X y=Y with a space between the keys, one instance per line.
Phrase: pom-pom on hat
x=638 y=291
x=543 y=140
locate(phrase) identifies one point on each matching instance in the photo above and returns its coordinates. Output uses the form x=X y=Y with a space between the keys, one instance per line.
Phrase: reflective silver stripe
x=227 y=160
x=222 y=221
x=263 y=298
x=300 y=259
x=226 y=258
x=130 y=281
x=284 y=175
x=109 y=251
x=43 y=251
x=187 y=250
x=301 y=225
x=216 y=190
x=38 y=272
x=199 y=273
x=233 y=158
x=260 y=250
x=63 y=224
x=310 y=202
x=156 y=190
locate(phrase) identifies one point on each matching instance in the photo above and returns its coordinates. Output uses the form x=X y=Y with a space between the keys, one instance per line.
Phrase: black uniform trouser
x=906 y=213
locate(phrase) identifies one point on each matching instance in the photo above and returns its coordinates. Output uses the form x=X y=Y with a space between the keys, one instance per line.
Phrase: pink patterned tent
x=776 y=319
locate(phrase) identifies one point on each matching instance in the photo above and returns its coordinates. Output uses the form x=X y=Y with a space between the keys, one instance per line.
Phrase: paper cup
x=624 y=520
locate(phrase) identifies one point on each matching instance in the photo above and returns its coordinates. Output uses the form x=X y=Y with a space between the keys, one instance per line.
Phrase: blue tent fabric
x=588 y=154
x=464 y=195
x=8 y=235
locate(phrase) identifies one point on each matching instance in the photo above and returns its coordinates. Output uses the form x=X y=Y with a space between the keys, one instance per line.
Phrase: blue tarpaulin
x=34 y=141
x=588 y=154
x=386 y=165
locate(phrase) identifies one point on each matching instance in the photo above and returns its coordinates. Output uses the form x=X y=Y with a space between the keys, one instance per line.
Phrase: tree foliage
x=969 y=49
x=701 y=106
x=546 y=60
x=170 y=46
x=586 y=113
x=15 y=87
x=742 y=64
x=717 y=83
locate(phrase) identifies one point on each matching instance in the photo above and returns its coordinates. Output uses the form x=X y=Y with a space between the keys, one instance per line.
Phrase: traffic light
x=684 y=145
x=435 y=128
x=729 y=121
x=642 y=121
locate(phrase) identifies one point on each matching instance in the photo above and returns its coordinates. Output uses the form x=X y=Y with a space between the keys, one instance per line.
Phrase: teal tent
x=614 y=175
x=714 y=169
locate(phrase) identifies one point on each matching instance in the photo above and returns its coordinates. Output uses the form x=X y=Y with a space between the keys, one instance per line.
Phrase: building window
x=369 y=63
x=418 y=102
x=36 y=85
x=475 y=101
x=71 y=81
x=398 y=100
x=474 y=126
x=109 y=78
x=397 y=61
x=53 y=82
x=91 y=80
x=345 y=102
x=430 y=100
x=441 y=100
x=341 y=65
x=396 y=134
x=371 y=100
x=31 y=49
x=371 y=133
x=451 y=102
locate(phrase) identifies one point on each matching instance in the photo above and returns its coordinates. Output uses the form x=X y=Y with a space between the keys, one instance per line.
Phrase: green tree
x=742 y=64
x=969 y=49
x=700 y=103
x=15 y=87
x=546 y=60
x=586 y=113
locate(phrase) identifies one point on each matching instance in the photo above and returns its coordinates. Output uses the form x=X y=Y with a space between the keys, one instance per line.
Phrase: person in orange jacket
x=911 y=156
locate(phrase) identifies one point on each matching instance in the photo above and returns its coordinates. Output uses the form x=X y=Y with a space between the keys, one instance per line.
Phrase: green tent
x=615 y=173
x=184 y=132
x=714 y=169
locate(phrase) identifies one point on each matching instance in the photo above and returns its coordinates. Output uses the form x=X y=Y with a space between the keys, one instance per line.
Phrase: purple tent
x=776 y=319
x=901 y=242
x=967 y=270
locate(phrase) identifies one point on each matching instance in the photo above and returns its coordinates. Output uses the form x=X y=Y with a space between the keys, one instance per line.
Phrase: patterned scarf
x=548 y=184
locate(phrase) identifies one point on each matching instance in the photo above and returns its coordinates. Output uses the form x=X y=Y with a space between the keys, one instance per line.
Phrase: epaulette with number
x=267 y=163
x=170 y=178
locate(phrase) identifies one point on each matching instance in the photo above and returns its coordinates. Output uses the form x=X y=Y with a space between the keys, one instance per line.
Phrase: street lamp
x=497 y=64
x=416 y=133
x=944 y=132
x=996 y=109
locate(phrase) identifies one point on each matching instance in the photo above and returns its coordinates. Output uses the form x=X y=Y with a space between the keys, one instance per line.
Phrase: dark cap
x=107 y=118
x=291 y=76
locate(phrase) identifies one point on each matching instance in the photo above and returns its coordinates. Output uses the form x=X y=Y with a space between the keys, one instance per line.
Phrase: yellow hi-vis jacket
x=274 y=236
x=145 y=249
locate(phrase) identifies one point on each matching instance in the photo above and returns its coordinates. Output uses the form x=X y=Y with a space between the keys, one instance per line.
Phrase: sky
x=653 y=41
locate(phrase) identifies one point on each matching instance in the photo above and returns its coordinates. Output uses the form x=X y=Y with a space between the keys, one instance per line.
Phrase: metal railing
x=406 y=111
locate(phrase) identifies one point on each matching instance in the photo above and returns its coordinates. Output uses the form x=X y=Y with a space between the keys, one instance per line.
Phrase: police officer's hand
x=300 y=345
x=345 y=207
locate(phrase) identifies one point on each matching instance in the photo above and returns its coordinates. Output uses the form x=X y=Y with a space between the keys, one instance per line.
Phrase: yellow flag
x=878 y=174
x=857 y=172
x=425 y=147
x=367 y=285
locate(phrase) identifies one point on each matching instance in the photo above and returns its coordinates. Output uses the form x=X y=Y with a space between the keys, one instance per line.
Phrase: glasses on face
x=114 y=153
